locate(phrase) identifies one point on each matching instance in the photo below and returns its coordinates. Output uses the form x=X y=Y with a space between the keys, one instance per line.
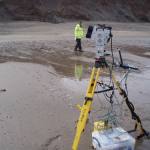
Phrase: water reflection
x=78 y=71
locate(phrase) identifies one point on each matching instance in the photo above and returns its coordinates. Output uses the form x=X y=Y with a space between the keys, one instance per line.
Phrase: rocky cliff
x=61 y=10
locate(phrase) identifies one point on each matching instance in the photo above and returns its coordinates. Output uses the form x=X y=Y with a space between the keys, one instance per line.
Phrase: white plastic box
x=113 y=139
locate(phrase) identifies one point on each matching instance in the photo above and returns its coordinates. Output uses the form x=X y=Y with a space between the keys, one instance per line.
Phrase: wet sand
x=37 y=110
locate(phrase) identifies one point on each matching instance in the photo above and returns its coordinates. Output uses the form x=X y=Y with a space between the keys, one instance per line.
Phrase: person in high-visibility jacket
x=79 y=34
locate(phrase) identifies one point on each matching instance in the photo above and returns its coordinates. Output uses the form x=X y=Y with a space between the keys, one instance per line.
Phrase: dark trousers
x=78 y=44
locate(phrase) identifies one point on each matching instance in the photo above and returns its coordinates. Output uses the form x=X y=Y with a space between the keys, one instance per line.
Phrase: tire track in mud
x=50 y=141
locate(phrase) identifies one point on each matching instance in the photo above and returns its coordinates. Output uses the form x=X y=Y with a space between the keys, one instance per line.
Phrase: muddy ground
x=39 y=89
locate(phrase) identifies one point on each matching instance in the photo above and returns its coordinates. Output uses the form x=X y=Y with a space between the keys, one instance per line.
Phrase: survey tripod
x=100 y=67
x=85 y=110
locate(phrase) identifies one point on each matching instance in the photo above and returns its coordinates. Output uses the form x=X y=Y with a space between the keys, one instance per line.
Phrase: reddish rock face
x=60 y=10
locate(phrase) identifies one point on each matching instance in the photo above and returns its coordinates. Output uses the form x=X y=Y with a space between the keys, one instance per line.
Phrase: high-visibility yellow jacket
x=78 y=32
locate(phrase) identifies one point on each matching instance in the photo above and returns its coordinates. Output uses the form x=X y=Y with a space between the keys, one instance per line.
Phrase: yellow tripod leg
x=85 y=109
x=138 y=124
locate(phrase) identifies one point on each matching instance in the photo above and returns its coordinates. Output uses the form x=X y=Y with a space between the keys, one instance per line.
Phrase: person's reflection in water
x=78 y=71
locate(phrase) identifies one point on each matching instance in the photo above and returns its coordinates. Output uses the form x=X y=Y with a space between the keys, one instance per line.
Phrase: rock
x=63 y=10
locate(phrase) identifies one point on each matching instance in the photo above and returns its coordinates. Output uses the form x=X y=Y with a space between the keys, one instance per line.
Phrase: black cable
x=134 y=114
x=107 y=97
x=112 y=53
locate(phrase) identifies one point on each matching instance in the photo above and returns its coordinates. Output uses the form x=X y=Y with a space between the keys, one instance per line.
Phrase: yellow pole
x=85 y=109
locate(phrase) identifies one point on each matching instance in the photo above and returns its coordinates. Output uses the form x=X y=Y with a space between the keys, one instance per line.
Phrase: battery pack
x=113 y=139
